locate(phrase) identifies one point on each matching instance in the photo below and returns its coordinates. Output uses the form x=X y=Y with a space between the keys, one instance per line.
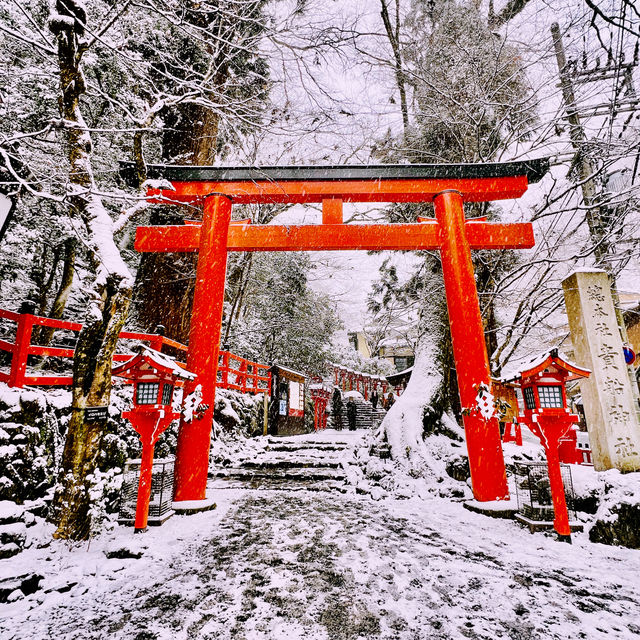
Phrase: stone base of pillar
x=189 y=507
x=505 y=509
x=545 y=525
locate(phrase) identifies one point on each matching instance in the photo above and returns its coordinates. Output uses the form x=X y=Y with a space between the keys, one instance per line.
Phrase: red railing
x=243 y=375
x=247 y=376
x=350 y=380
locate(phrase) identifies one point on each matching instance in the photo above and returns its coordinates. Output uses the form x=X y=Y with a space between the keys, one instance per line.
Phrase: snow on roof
x=401 y=373
x=536 y=361
x=325 y=386
x=360 y=373
x=160 y=360
x=297 y=373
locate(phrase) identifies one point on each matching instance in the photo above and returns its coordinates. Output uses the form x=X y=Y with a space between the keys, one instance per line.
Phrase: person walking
x=374 y=399
x=351 y=414
x=336 y=408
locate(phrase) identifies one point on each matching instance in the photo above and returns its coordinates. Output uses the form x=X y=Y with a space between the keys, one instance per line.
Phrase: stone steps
x=319 y=447
x=276 y=484
x=292 y=463
x=366 y=416
x=292 y=474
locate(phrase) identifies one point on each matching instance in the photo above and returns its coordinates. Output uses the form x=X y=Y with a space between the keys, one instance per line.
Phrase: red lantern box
x=546 y=413
x=155 y=376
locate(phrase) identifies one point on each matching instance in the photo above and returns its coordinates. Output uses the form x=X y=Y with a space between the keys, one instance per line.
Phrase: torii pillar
x=469 y=349
x=194 y=439
x=446 y=186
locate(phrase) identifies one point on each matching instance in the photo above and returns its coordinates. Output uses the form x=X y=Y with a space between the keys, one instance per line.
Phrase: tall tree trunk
x=109 y=297
x=43 y=335
x=165 y=283
x=393 y=35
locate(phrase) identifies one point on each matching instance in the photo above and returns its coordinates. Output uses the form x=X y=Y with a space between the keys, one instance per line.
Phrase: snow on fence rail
x=234 y=372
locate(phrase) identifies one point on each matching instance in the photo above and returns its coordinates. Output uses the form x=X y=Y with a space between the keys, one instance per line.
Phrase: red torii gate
x=447 y=186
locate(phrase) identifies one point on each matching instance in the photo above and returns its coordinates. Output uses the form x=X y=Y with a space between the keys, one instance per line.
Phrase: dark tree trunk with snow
x=166 y=282
x=43 y=335
x=164 y=286
x=109 y=297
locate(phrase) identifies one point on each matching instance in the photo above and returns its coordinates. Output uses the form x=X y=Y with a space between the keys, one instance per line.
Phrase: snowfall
x=280 y=563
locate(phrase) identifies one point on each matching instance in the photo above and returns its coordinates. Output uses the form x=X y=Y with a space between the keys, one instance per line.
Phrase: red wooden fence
x=234 y=372
x=350 y=380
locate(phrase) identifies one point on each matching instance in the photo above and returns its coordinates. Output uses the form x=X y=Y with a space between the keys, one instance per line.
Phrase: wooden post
x=561 y=515
x=21 y=350
x=144 y=487
x=265 y=417
x=243 y=375
x=225 y=370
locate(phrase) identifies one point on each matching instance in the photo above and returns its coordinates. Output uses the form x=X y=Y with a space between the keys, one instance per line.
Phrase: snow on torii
x=447 y=186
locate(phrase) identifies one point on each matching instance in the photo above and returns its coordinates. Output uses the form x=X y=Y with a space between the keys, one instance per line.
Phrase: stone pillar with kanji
x=608 y=398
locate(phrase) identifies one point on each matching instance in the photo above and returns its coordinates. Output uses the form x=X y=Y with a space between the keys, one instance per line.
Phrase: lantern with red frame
x=547 y=414
x=155 y=376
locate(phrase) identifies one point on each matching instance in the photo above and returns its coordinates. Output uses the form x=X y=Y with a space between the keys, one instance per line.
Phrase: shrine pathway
x=282 y=564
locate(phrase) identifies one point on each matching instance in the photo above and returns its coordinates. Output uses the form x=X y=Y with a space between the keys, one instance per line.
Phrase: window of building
x=147 y=392
x=403 y=362
x=529 y=398
x=550 y=396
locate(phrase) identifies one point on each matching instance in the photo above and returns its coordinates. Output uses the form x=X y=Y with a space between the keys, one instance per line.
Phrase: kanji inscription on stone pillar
x=608 y=400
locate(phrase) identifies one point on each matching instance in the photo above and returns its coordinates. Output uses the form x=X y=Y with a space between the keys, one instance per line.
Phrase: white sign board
x=296 y=395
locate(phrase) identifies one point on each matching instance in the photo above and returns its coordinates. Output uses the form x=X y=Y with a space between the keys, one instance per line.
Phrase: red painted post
x=243 y=375
x=225 y=370
x=144 y=487
x=194 y=439
x=21 y=350
x=561 y=515
x=486 y=462
x=518 y=428
x=332 y=211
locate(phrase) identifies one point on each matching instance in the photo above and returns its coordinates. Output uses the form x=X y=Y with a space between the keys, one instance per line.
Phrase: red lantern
x=155 y=376
x=547 y=415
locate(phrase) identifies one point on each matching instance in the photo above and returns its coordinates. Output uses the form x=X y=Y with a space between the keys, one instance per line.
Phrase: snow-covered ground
x=325 y=565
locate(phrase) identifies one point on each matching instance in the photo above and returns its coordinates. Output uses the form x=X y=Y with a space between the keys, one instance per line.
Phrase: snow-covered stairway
x=366 y=416
x=324 y=461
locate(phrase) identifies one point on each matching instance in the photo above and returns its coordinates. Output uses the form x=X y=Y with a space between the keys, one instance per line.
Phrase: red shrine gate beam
x=447 y=186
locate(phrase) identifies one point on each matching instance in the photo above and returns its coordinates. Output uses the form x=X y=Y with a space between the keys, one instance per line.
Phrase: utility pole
x=586 y=174
x=586 y=170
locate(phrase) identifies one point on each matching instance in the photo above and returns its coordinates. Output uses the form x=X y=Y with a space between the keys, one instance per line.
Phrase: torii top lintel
x=359 y=183
x=333 y=185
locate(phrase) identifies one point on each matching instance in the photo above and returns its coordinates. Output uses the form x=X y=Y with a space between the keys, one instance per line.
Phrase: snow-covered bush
x=32 y=426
